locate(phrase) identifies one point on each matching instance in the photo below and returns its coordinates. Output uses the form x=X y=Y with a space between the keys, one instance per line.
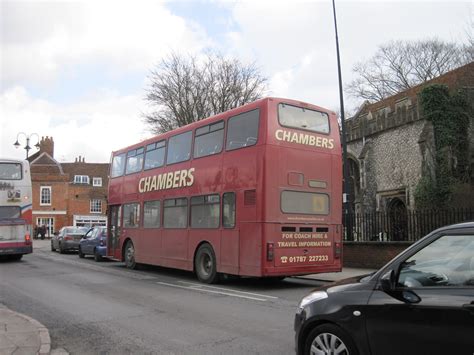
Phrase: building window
x=45 y=196
x=81 y=179
x=96 y=206
x=97 y=181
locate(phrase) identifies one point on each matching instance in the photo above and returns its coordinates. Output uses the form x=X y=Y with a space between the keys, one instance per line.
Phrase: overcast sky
x=77 y=70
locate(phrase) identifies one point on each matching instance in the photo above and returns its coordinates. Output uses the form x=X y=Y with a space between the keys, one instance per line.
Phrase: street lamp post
x=346 y=187
x=28 y=137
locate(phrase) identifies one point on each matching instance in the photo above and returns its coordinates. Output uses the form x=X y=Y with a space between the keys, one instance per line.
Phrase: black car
x=421 y=302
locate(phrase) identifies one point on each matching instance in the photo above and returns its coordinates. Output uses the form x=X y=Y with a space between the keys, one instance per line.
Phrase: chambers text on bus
x=171 y=180
x=302 y=138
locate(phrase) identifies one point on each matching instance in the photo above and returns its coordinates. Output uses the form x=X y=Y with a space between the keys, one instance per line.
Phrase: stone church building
x=390 y=146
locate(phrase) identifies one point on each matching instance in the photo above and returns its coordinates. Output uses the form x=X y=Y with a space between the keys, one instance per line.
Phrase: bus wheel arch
x=205 y=263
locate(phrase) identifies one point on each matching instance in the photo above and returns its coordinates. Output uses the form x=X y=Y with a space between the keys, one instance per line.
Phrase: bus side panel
x=250 y=249
x=229 y=253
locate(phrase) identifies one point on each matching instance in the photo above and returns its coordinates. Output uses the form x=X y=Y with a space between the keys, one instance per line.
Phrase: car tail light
x=27 y=238
x=270 y=251
x=102 y=243
x=337 y=251
x=68 y=237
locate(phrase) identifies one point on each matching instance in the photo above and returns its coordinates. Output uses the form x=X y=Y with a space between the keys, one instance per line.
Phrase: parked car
x=421 y=302
x=68 y=238
x=94 y=243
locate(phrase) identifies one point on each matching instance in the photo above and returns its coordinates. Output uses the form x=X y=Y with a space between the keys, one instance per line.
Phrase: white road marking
x=211 y=291
x=227 y=289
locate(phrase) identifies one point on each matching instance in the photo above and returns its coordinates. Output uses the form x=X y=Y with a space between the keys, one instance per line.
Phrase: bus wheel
x=130 y=256
x=205 y=265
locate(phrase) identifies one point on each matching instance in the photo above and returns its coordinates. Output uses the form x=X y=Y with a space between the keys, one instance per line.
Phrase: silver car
x=68 y=239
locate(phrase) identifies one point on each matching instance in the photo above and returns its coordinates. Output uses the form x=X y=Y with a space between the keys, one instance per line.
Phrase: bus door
x=113 y=240
x=230 y=250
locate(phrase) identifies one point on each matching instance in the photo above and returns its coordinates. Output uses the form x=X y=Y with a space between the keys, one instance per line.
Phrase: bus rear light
x=27 y=238
x=337 y=251
x=270 y=251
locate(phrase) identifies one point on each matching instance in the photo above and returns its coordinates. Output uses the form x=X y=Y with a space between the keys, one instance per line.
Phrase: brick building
x=66 y=194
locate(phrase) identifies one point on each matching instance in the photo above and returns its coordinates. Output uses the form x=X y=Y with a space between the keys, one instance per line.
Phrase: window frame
x=155 y=148
x=134 y=153
x=169 y=146
x=447 y=233
x=136 y=218
x=301 y=128
x=224 y=225
x=122 y=172
x=209 y=131
x=82 y=179
x=93 y=203
x=160 y=211
x=97 y=181
x=46 y=188
x=175 y=206
x=228 y=127
x=205 y=203
x=306 y=192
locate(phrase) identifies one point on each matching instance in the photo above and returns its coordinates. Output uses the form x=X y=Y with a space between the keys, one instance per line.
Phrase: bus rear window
x=10 y=171
x=10 y=212
x=304 y=202
x=303 y=118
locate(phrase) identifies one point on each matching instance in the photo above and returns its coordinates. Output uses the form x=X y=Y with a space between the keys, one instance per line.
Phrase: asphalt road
x=92 y=308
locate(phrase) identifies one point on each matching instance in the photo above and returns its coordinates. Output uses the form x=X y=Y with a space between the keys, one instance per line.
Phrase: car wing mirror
x=388 y=283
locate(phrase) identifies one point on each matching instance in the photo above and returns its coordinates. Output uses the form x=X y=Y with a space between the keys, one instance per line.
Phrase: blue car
x=94 y=243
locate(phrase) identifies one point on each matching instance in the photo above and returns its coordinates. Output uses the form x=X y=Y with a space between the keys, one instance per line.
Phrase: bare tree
x=400 y=65
x=184 y=89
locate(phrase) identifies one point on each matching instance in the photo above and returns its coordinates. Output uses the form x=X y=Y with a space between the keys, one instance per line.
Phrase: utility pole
x=347 y=207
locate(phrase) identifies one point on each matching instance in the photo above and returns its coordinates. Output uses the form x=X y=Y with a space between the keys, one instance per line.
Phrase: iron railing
x=400 y=227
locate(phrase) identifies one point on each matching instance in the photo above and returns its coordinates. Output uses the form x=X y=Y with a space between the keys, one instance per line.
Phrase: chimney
x=47 y=145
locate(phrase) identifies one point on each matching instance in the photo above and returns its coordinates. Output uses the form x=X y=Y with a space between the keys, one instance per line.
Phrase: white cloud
x=124 y=35
x=112 y=122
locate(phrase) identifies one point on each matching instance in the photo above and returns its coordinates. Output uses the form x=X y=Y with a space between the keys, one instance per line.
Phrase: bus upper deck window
x=303 y=118
x=118 y=165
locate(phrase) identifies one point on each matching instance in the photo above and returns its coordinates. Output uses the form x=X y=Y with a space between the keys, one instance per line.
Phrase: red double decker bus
x=254 y=191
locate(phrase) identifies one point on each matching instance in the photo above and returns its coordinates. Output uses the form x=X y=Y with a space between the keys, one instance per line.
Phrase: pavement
x=23 y=335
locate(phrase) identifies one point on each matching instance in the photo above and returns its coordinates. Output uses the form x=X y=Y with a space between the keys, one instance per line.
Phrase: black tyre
x=16 y=257
x=329 y=339
x=60 y=248
x=80 y=253
x=52 y=246
x=129 y=256
x=97 y=256
x=205 y=265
